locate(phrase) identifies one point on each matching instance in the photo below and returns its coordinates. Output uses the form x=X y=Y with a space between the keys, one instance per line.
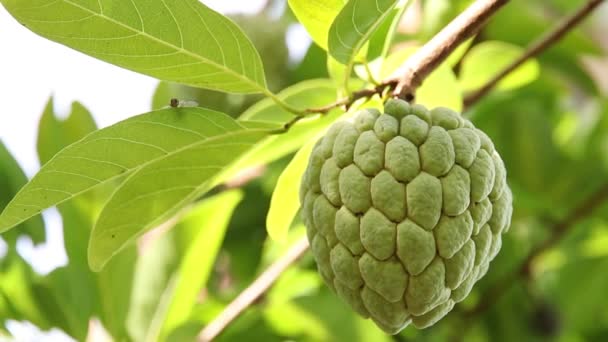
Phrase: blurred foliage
x=549 y=122
x=12 y=179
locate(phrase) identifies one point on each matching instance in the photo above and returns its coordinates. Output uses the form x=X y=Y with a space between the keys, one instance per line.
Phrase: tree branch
x=411 y=74
x=253 y=292
x=415 y=70
x=558 y=231
x=538 y=46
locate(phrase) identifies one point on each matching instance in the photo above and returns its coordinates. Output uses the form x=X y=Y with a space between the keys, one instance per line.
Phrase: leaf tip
x=96 y=263
x=96 y=256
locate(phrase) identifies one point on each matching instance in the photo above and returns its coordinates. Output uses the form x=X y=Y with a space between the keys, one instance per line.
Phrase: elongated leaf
x=204 y=229
x=336 y=71
x=441 y=89
x=55 y=134
x=317 y=16
x=115 y=283
x=81 y=294
x=288 y=319
x=182 y=41
x=73 y=286
x=354 y=25
x=175 y=267
x=285 y=202
x=488 y=58
x=12 y=179
x=306 y=94
x=114 y=151
x=18 y=291
x=381 y=40
x=153 y=273
x=160 y=189
x=458 y=53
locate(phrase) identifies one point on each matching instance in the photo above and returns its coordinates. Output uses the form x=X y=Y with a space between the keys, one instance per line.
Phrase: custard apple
x=404 y=211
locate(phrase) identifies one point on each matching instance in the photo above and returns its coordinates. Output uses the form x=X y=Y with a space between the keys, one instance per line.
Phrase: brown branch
x=426 y=59
x=347 y=102
x=558 y=231
x=536 y=47
x=432 y=54
x=253 y=292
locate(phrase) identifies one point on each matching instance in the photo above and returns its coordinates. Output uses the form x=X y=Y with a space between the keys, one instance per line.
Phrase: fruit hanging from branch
x=404 y=211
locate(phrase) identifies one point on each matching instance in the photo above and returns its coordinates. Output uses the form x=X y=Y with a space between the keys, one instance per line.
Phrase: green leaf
x=18 y=291
x=81 y=294
x=317 y=17
x=159 y=189
x=337 y=72
x=288 y=319
x=309 y=66
x=115 y=284
x=382 y=39
x=486 y=59
x=176 y=266
x=181 y=41
x=459 y=53
x=577 y=299
x=354 y=25
x=306 y=94
x=73 y=286
x=202 y=230
x=55 y=134
x=12 y=179
x=76 y=296
x=441 y=89
x=293 y=283
x=152 y=285
x=114 y=151
x=285 y=202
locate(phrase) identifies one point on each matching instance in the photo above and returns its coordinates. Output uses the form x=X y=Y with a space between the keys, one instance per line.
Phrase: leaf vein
x=129 y=141
x=229 y=71
x=73 y=174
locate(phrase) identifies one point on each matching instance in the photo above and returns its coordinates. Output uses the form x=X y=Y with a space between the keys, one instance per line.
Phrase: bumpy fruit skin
x=404 y=211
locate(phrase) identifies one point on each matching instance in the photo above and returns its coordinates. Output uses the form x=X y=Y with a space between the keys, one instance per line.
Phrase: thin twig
x=414 y=71
x=558 y=231
x=536 y=47
x=411 y=74
x=346 y=103
x=253 y=292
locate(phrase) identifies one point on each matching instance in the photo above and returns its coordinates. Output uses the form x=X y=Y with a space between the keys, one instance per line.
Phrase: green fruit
x=404 y=211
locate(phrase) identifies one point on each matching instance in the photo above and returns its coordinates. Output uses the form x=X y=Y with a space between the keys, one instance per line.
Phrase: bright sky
x=32 y=69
